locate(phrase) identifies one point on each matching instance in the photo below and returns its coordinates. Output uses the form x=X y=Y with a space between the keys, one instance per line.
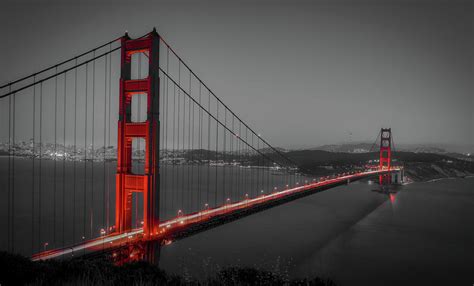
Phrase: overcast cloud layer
x=302 y=73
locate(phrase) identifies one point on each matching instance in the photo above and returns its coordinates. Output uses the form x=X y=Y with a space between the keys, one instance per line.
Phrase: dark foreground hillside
x=18 y=270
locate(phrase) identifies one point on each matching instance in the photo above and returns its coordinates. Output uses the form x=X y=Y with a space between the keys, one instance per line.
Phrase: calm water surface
x=424 y=235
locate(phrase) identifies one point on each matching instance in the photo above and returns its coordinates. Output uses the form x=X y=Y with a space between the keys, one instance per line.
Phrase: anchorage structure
x=385 y=154
x=126 y=181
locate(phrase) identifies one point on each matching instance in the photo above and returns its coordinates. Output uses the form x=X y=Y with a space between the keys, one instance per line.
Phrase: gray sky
x=302 y=73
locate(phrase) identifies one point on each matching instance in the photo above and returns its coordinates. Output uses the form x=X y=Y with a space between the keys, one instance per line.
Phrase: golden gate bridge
x=123 y=149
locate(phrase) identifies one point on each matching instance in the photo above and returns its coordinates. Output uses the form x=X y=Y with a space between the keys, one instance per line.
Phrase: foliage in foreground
x=18 y=270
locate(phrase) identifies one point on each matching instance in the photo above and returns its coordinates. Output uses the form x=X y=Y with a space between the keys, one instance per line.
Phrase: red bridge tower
x=126 y=181
x=385 y=154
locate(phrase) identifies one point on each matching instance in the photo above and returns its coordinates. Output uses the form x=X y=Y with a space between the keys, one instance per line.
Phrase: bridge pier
x=397 y=177
x=152 y=251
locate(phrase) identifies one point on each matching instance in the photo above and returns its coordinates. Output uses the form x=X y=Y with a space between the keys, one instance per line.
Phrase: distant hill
x=419 y=166
x=270 y=150
x=364 y=147
x=347 y=148
x=305 y=157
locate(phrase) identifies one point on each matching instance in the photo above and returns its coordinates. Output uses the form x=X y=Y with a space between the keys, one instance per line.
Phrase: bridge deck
x=172 y=227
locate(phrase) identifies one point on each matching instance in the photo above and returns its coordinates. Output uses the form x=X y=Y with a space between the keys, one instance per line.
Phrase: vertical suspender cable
x=9 y=226
x=208 y=148
x=232 y=138
x=165 y=182
x=104 y=188
x=173 y=153
x=178 y=179
x=91 y=211
x=190 y=151
x=75 y=158
x=217 y=152
x=189 y=209
x=13 y=179
x=55 y=153
x=183 y=185
x=64 y=162
x=33 y=172
x=84 y=209
x=40 y=162
x=200 y=149
x=239 y=146
x=224 y=150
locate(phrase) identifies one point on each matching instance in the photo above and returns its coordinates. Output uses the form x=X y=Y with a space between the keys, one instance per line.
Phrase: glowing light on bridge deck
x=185 y=219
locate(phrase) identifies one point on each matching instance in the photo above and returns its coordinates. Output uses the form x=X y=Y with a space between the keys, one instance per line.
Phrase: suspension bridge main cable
x=375 y=142
x=218 y=99
x=216 y=119
x=59 y=73
x=34 y=75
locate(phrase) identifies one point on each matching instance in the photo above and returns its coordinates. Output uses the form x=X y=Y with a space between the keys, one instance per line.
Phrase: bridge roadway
x=173 y=227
